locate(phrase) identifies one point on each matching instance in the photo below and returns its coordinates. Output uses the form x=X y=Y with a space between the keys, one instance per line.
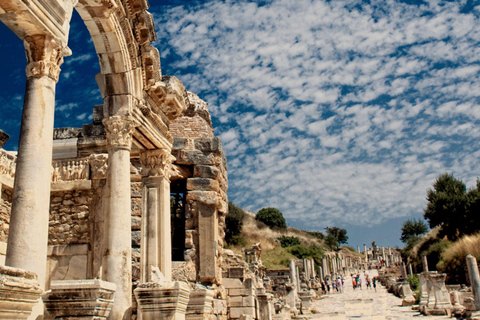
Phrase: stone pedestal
x=442 y=298
x=200 y=304
x=306 y=300
x=162 y=302
x=423 y=279
x=19 y=292
x=406 y=294
x=265 y=306
x=80 y=299
x=474 y=277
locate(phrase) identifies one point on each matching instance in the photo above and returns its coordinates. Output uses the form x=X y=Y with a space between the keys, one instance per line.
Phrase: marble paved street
x=363 y=304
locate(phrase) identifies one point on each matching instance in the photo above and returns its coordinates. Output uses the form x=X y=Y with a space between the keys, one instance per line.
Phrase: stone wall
x=136 y=194
x=69 y=217
x=5 y=207
x=195 y=122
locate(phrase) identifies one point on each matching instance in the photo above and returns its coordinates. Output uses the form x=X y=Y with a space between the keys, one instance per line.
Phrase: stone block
x=208 y=144
x=3 y=138
x=136 y=223
x=230 y=283
x=136 y=189
x=204 y=197
x=19 y=292
x=202 y=184
x=137 y=207
x=236 y=272
x=179 y=143
x=237 y=312
x=235 y=301
x=136 y=238
x=219 y=307
x=240 y=292
x=190 y=157
x=202 y=171
x=80 y=299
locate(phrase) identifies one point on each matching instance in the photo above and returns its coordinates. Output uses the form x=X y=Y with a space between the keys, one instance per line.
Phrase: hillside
x=273 y=255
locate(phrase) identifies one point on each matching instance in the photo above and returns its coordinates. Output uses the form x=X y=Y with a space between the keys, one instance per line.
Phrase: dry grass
x=273 y=255
x=462 y=247
x=432 y=234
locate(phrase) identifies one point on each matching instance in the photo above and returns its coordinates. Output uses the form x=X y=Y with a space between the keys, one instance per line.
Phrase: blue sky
x=339 y=113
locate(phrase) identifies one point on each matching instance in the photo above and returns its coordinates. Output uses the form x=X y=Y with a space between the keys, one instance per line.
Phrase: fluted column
x=28 y=235
x=156 y=242
x=118 y=264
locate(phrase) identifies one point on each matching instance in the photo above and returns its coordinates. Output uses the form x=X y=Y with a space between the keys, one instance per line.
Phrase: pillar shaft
x=156 y=227
x=28 y=236
x=118 y=257
x=474 y=276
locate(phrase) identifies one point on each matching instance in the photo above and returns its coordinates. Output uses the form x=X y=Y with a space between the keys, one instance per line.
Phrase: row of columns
x=28 y=236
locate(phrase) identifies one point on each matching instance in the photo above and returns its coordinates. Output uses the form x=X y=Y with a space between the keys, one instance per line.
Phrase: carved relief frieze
x=156 y=162
x=8 y=164
x=145 y=28
x=170 y=96
x=98 y=166
x=151 y=65
x=70 y=170
x=119 y=131
x=44 y=56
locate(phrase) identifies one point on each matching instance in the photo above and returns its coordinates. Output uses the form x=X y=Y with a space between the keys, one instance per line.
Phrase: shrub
x=288 y=241
x=303 y=252
x=234 y=224
x=272 y=217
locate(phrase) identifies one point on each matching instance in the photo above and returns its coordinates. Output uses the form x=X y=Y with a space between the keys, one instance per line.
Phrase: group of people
x=337 y=285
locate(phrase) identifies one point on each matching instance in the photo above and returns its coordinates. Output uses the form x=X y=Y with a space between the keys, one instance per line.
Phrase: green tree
x=272 y=217
x=234 y=224
x=286 y=241
x=411 y=229
x=447 y=206
x=335 y=236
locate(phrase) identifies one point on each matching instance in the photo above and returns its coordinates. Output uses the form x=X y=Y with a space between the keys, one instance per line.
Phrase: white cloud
x=335 y=112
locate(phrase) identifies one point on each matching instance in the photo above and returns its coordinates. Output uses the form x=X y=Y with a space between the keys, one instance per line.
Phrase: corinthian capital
x=156 y=162
x=119 y=131
x=44 y=56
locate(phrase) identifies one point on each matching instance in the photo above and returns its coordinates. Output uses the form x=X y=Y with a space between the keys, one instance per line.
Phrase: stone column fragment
x=474 y=277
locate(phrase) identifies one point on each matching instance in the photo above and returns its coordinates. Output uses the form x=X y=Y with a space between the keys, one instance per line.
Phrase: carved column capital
x=44 y=56
x=119 y=131
x=157 y=163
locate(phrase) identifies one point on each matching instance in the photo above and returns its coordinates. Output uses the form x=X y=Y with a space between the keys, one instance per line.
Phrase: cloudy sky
x=338 y=113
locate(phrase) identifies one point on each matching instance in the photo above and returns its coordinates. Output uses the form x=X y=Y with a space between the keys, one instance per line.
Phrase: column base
x=200 y=304
x=162 y=302
x=80 y=299
x=306 y=299
x=19 y=292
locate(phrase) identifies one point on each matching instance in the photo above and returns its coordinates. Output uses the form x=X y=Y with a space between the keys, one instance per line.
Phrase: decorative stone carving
x=98 y=166
x=44 y=56
x=19 y=292
x=70 y=170
x=145 y=28
x=80 y=299
x=3 y=138
x=151 y=65
x=170 y=96
x=119 y=131
x=156 y=162
x=7 y=164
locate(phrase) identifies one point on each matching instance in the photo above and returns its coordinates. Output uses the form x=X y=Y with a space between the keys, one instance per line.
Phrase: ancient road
x=363 y=304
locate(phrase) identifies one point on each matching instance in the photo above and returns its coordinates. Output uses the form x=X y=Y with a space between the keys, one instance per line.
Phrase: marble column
x=425 y=263
x=365 y=252
x=156 y=242
x=28 y=235
x=474 y=279
x=312 y=263
x=118 y=265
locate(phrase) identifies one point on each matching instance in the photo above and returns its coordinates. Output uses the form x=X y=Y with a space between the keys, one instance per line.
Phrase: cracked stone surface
x=363 y=304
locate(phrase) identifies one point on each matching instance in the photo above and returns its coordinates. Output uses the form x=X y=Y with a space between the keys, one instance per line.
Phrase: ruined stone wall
x=136 y=194
x=69 y=217
x=207 y=204
x=5 y=208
